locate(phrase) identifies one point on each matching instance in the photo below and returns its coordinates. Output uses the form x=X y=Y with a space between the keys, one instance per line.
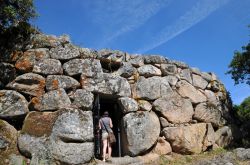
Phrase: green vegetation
x=15 y=28
x=24 y=162
x=163 y=160
x=239 y=68
x=190 y=159
x=15 y=12
x=243 y=110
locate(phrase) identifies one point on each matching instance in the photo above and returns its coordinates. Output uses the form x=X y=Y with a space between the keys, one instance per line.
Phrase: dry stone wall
x=166 y=105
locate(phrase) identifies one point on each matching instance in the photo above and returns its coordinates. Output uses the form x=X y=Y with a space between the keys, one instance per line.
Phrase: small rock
x=199 y=82
x=54 y=82
x=149 y=71
x=172 y=80
x=114 y=56
x=150 y=158
x=195 y=71
x=8 y=141
x=65 y=52
x=27 y=61
x=187 y=90
x=107 y=84
x=127 y=70
x=144 y=105
x=82 y=99
x=157 y=65
x=137 y=61
x=214 y=86
x=87 y=67
x=12 y=104
x=88 y=53
x=174 y=108
x=128 y=104
x=39 y=124
x=17 y=160
x=242 y=154
x=223 y=136
x=179 y=64
x=48 y=67
x=168 y=69
x=210 y=137
x=44 y=41
x=29 y=83
x=206 y=76
x=164 y=122
x=51 y=101
x=159 y=85
x=211 y=98
x=186 y=75
x=155 y=59
x=64 y=39
x=162 y=147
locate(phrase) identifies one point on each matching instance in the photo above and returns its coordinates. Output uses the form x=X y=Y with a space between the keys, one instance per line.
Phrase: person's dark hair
x=106 y=113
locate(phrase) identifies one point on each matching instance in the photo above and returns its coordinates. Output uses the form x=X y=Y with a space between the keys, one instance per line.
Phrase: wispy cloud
x=138 y=15
x=197 y=13
x=117 y=17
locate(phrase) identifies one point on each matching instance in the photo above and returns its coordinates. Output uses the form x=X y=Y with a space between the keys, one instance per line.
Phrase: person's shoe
x=109 y=159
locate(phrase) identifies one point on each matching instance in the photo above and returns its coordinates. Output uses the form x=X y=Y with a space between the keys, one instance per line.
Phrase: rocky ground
x=239 y=156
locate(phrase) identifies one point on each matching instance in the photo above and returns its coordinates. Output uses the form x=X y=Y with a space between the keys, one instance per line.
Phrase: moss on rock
x=39 y=123
x=8 y=141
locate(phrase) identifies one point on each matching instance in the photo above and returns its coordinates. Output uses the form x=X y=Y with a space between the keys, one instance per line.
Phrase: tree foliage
x=243 y=110
x=239 y=68
x=15 y=28
x=243 y=116
x=14 y=12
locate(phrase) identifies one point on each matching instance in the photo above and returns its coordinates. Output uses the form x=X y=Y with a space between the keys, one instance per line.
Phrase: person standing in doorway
x=105 y=124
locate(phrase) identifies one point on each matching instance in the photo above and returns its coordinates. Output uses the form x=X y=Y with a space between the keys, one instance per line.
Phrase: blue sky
x=202 y=33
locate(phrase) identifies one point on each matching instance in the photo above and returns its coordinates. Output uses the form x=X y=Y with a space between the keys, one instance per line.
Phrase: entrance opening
x=110 y=105
x=115 y=114
x=109 y=67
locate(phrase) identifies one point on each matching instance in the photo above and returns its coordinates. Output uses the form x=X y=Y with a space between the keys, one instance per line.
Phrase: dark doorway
x=110 y=105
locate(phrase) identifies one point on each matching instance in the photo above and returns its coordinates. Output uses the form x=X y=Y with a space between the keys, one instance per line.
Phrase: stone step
x=121 y=161
x=127 y=160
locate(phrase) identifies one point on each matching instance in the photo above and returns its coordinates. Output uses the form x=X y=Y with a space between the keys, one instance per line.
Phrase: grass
x=178 y=159
x=24 y=162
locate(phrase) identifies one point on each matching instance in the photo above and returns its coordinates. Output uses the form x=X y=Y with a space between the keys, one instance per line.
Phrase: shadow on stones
x=16 y=122
x=13 y=39
x=109 y=67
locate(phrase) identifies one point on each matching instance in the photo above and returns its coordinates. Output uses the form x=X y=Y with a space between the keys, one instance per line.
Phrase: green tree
x=239 y=68
x=15 y=28
x=243 y=115
x=14 y=12
x=243 y=110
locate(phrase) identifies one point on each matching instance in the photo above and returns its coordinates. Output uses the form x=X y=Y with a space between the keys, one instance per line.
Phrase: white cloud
x=199 y=12
x=137 y=16
x=116 y=17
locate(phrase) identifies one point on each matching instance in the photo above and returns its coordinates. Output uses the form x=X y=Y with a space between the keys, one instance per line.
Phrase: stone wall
x=166 y=105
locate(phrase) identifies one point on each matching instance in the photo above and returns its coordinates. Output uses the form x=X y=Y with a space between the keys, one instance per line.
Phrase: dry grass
x=177 y=159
